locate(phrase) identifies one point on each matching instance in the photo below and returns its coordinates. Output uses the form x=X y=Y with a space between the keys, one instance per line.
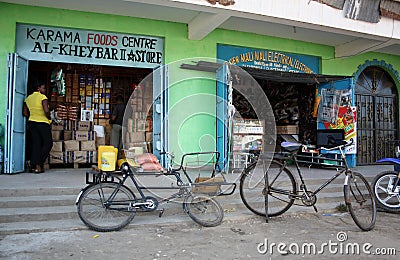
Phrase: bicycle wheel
x=360 y=201
x=281 y=184
x=203 y=209
x=102 y=213
x=382 y=187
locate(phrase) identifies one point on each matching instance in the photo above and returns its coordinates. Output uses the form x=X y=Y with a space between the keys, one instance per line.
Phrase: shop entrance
x=84 y=107
x=377 y=112
x=83 y=112
x=292 y=105
x=292 y=102
x=292 y=98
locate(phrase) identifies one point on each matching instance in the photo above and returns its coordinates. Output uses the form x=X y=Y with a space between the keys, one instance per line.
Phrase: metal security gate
x=377 y=121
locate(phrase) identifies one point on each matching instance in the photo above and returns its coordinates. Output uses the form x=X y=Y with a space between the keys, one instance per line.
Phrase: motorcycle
x=386 y=185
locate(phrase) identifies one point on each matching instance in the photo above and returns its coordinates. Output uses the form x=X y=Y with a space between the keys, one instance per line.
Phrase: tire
x=252 y=189
x=203 y=209
x=360 y=201
x=99 y=217
x=381 y=186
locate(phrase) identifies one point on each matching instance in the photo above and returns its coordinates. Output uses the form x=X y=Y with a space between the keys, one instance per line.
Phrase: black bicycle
x=282 y=191
x=107 y=204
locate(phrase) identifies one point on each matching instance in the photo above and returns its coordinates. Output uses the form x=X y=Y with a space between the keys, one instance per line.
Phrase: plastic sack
x=146 y=158
x=151 y=166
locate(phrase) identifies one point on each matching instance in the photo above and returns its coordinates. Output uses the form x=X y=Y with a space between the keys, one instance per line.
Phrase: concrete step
x=41 y=208
x=37 y=201
x=47 y=191
x=53 y=208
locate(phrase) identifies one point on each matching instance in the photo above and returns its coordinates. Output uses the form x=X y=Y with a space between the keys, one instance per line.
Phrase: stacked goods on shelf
x=67 y=111
x=139 y=124
x=75 y=143
x=247 y=134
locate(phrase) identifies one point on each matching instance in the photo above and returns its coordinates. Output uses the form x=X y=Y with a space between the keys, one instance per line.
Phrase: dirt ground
x=292 y=236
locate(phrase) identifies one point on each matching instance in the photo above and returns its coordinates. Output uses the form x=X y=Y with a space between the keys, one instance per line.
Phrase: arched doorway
x=377 y=115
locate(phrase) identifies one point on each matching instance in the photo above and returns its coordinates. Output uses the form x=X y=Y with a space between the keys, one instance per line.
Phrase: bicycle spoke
x=203 y=209
x=252 y=189
x=106 y=215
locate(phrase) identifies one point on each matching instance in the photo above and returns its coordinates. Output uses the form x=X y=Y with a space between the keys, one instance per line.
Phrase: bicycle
x=282 y=191
x=107 y=204
x=386 y=187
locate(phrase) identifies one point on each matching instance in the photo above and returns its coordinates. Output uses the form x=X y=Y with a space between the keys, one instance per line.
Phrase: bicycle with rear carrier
x=283 y=191
x=108 y=204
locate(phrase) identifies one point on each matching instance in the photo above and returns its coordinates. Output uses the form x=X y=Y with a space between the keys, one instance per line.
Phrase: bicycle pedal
x=161 y=213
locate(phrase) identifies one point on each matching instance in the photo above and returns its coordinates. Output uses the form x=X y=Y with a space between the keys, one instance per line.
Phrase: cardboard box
x=57 y=127
x=57 y=147
x=84 y=125
x=287 y=129
x=88 y=145
x=56 y=135
x=64 y=124
x=212 y=188
x=71 y=145
x=57 y=158
x=76 y=156
x=136 y=137
x=83 y=135
x=82 y=157
x=100 y=141
x=67 y=135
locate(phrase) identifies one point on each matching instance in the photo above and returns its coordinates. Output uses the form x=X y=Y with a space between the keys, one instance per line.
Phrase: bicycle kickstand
x=315 y=208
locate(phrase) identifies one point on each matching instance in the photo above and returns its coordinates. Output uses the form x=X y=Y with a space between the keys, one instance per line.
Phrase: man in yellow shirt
x=36 y=109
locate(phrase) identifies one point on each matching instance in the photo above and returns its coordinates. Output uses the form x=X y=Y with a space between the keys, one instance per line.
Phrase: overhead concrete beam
x=360 y=46
x=205 y=23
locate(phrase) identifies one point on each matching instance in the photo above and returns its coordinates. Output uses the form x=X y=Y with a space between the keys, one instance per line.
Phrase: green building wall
x=177 y=47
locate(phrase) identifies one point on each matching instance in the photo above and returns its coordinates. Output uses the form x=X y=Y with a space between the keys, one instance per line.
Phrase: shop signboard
x=268 y=59
x=88 y=47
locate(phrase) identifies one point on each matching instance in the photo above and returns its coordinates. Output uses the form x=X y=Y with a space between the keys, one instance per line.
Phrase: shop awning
x=271 y=75
x=290 y=77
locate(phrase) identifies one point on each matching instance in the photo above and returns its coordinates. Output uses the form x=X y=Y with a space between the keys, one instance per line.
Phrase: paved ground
x=334 y=236
x=293 y=236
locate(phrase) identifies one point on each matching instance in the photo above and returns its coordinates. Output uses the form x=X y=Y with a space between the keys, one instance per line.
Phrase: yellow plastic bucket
x=107 y=157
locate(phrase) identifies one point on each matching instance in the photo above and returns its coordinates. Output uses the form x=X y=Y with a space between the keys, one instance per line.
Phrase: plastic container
x=107 y=158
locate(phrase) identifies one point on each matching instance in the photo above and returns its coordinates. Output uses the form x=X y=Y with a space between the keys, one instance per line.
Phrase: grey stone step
x=23 y=192
x=69 y=210
x=57 y=205
x=69 y=199
x=37 y=213
x=37 y=201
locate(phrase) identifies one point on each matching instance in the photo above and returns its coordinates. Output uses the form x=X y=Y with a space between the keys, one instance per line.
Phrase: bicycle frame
x=129 y=172
x=142 y=202
x=303 y=187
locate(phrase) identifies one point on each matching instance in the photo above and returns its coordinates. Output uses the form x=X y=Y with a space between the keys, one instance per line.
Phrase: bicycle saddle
x=290 y=146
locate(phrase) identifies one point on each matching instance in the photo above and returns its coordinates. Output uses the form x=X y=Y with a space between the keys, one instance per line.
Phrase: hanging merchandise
x=58 y=80
x=329 y=105
x=316 y=104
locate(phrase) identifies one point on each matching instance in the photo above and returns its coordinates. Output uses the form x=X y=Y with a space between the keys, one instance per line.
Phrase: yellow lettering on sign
x=245 y=57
